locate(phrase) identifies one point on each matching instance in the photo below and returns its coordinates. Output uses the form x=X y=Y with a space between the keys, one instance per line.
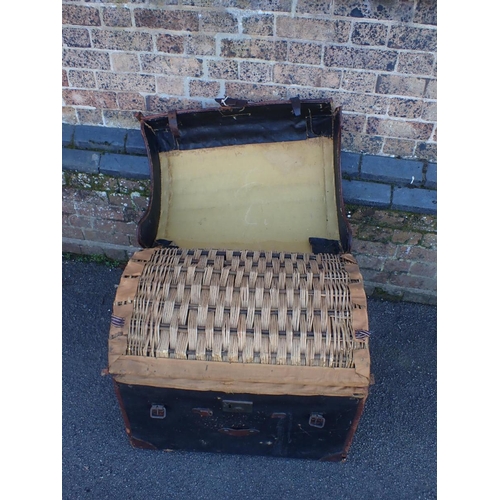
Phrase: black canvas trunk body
x=242 y=326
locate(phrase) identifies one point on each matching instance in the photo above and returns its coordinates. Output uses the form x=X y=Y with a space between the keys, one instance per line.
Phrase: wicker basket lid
x=248 y=307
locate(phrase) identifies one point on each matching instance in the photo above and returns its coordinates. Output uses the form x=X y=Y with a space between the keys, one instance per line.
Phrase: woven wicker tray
x=248 y=307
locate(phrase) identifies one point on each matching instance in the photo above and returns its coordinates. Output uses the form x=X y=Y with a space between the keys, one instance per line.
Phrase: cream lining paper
x=270 y=196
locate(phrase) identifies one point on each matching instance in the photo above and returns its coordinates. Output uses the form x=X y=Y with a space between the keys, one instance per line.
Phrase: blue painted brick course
x=349 y=163
x=132 y=167
x=366 y=193
x=431 y=176
x=80 y=161
x=100 y=138
x=67 y=134
x=391 y=170
x=134 y=143
x=415 y=200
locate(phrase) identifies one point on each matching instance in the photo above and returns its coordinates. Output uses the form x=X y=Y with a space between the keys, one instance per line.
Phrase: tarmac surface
x=393 y=455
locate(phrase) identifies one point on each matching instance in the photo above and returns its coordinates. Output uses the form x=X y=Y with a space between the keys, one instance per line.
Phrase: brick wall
x=375 y=58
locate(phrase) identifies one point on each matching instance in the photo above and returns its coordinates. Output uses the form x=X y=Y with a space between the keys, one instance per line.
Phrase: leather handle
x=228 y=431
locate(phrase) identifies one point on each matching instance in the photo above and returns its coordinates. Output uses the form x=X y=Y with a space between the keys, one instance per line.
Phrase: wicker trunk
x=242 y=326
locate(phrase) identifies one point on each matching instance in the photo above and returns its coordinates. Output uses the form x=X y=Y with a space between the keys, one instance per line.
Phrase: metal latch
x=237 y=406
x=317 y=420
x=157 y=411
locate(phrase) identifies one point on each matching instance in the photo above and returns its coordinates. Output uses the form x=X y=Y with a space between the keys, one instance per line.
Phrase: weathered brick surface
x=118 y=17
x=87 y=59
x=369 y=34
x=90 y=98
x=261 y=25
x=76 y=37
x=375 y=59
x=80 y=15
x=333 y=31
x=122 y=40
x=181 y=20
x=178 y=66
x=81 y=79
x=202 y=88
x=254 y=49
x=137 y=82
x=360 y=58
x=398 y=11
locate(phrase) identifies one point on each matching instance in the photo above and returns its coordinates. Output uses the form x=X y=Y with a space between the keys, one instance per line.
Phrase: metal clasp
x=157 y=411
x=317 y=420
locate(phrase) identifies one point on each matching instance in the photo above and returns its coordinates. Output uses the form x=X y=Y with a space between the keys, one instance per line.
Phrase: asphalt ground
x=393 y=455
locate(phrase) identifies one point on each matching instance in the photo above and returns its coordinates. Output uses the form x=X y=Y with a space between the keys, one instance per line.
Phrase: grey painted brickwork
x=375 y=58
x=367 y=179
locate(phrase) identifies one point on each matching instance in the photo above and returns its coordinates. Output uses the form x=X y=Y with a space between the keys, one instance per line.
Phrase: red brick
x=80 y=222
x=406 y=237
x=91 y=210
x=430 y=241
x=113 y=226
x=107 y=237
x=423 y=269
x=368 y=262
x=407 y=281
x=397 y=265
x=386 y=250
x=72 y=232
x=416 y=253
x=375 y=276
x=71 y=247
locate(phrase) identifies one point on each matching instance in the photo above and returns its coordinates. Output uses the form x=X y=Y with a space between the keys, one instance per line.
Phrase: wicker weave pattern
x=244 y=306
